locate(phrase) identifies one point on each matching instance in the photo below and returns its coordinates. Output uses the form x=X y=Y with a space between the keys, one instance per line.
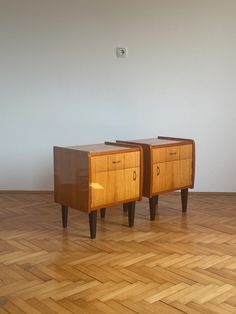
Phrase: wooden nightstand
x=169 y=165
x=94 y=177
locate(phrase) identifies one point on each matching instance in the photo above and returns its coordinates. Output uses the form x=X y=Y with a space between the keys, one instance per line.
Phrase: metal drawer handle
x=158 y=171
x=173 y=153
x=116 y=162
x=134 y=175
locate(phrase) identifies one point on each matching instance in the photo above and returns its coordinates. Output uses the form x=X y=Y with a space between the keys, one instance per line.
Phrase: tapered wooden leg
x=131 y=213
x=64 y=214
x=93 y=224
x=153 y=201
x=103 y=212
x=184 y=199
x=125 y=208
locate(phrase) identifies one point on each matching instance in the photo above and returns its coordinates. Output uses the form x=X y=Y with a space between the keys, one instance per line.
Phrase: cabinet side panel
x=71 y=182
x=147 y=166
x=193 y=163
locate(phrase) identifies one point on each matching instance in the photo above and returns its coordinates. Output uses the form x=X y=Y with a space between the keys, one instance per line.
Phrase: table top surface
x=158 y=141
x=101 y=147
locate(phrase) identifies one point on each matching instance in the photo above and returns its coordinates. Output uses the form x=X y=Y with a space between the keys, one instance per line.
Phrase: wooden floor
x=176 y=264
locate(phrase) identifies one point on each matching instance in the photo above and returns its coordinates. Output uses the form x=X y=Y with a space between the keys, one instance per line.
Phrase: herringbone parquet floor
x=176 y=264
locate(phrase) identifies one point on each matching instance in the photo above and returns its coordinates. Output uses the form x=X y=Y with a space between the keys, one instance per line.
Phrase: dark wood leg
x=184 y=199
x=64 y=214
x=131 y=213
x=93 y=224
x=125 y=208
x=103 y=212
x=153 y=201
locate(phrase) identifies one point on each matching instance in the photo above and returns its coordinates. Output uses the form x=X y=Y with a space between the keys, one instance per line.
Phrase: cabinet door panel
x=161 y=177
x=182 y=173
x=185 y=172
x=115 y=186
x=171 y=175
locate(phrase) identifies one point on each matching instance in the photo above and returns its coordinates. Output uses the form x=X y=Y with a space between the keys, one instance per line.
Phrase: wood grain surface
x=180 y=263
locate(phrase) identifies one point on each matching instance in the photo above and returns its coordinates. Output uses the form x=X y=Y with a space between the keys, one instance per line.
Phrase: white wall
x=61 y=83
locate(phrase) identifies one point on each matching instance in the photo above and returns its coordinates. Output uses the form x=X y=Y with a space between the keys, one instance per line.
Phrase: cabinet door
x=114 y=186
x=162 y=177
x=171 y=175
x=183 y=174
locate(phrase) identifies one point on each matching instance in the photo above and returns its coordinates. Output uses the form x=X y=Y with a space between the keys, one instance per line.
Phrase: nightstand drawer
x=172 y=153
x=164 y=154
x=158 y=155
x=115 y=162
x=186 y=151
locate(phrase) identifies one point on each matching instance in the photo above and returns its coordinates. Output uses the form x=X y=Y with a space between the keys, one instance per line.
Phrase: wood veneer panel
x=186 y=151
x=115 y=161
x=164 y=150
x=114 y=186
x=158 y=155
x=71 y=178
x=171 y=175
x=85 y=179
x=172 y=153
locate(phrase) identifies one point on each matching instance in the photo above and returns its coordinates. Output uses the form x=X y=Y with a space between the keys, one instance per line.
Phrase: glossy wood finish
x=78 y=174
x=115 y=186
x=97 y=176
x=115 y=162
x=169 y=165
x=71 y=179
x=172 y=153
x=164 y=138
x=101 y=148
x=174 y=265
x=172 y=175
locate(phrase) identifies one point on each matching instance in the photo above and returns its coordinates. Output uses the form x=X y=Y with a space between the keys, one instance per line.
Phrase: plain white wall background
x=61 y=83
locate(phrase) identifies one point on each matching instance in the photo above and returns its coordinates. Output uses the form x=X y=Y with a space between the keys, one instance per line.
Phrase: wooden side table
x=93 y=177
x=169 y=165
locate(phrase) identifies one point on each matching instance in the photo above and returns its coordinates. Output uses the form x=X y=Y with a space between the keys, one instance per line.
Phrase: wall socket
x=121 y=52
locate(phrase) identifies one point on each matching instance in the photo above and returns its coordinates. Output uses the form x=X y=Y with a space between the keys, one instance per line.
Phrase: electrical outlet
x=121 y=52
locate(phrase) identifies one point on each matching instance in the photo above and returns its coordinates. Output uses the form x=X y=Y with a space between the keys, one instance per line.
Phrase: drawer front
x=164 y=154
x=172 y=153
x=159 y=155
x=186 y=151
x=115 y=162
x=114 y=186
x=171 y=175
